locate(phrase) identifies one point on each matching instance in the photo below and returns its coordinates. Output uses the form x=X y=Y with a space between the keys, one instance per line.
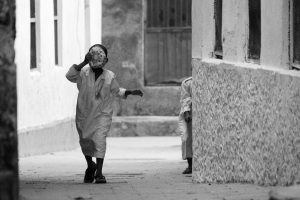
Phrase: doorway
x=167 y=42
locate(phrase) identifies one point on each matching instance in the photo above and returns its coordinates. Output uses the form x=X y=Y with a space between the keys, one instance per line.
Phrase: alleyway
x=137 y=168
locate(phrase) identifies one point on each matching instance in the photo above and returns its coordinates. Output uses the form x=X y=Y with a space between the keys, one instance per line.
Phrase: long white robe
x=185 y=128
x=94 y=108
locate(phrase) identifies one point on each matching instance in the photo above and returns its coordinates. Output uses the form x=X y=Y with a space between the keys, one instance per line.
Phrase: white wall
x=44 y=94
x=274 y=32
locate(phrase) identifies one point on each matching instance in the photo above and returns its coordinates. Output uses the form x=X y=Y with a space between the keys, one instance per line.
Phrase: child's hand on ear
x=88 y=57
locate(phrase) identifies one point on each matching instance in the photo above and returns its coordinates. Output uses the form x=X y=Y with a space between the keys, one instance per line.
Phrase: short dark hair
x=101 y=46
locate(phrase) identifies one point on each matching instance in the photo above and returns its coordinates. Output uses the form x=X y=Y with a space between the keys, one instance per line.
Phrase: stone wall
x=246 y=124
x=123 y=35
x=8 y=104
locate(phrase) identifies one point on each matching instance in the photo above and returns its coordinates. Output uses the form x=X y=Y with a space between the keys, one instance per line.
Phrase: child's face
x=98 y=57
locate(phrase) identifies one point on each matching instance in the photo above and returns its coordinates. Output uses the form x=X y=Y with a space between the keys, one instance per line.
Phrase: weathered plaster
x=8 y=104
x=123 y=23
x=246 y=125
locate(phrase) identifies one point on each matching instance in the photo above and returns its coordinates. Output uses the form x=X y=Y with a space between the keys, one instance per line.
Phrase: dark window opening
x=218 y=29
x=33 y=63
x=55 y=42
x=32 y=8
x=296 y=33
x=55 y=7
x=55 y=32
x=254 y=30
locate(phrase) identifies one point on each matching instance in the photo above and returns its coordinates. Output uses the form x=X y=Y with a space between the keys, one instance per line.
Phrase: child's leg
x=89 y=161
x=99 y=166
x=99 y=176
x=189 y=169
x=190 y=163
x=90 y=171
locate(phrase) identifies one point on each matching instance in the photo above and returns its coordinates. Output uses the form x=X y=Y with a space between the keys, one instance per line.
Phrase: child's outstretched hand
x=137 y=92
x=134 y=92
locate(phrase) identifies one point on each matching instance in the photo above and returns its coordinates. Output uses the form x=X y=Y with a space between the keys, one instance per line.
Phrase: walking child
x=185 y=123
x=97 y=88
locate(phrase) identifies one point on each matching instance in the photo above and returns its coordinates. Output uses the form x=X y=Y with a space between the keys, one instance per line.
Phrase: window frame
x=57 y=33
x=218 y=54
x=293 y=64
x=33 y=21
x=249 y=58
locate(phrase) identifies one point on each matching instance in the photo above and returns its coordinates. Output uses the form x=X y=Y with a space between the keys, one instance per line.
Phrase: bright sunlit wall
x=46 y=100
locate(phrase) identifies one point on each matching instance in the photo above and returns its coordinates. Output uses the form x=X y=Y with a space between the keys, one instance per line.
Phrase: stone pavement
x=138 y=168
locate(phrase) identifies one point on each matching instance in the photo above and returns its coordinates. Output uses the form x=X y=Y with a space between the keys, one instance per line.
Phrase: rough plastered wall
x=8 y=104
x=246 y=125
x=245 y=116
x=122 y=25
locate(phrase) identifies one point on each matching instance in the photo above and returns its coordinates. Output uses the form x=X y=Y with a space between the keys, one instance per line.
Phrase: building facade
x=246 y=91
x=51 y=36
x=149 y=45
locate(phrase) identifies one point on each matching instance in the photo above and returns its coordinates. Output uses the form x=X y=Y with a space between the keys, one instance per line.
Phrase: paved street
x=137 y=168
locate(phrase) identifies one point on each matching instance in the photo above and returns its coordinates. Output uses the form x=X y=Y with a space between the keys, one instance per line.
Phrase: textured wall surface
x=246 y=125
x=122 y=26
x=8 y=104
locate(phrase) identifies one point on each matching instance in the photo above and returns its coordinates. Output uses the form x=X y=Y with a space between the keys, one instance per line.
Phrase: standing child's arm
x=186 y=101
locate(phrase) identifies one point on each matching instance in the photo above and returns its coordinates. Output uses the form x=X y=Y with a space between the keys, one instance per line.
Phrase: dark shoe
x=100 y=179
x=187 y=171
x=90 y=174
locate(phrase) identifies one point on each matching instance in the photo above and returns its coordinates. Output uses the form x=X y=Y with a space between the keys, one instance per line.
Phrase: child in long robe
x=185 y=123
x=97 y=88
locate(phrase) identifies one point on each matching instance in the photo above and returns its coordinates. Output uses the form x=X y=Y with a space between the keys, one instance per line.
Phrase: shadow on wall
x=8 y=104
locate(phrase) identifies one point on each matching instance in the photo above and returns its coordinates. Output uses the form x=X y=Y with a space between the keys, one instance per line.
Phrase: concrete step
x=130 y=126
x=286 y=193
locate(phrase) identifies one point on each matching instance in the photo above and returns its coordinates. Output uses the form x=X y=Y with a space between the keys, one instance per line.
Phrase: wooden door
x=167 y=42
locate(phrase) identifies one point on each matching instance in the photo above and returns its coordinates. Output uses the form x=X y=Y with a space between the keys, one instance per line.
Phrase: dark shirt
x=98 y=72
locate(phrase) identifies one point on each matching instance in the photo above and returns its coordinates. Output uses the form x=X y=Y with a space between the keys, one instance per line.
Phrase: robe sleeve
x=185 y=97
x=73 y=75
x=116 y=90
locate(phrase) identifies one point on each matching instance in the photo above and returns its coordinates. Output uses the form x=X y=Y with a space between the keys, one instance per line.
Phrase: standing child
x=185 y=123
x=97 y=87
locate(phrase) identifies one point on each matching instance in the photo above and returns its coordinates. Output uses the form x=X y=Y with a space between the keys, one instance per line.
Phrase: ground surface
x=137 y=168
